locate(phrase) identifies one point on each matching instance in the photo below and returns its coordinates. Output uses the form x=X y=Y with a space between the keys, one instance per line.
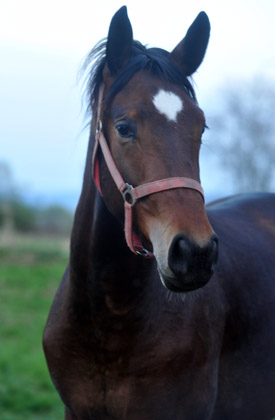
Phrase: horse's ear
x=189 y=53
x=119 y=42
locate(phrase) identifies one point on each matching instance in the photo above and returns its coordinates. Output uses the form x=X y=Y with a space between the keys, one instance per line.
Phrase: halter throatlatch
x=129 y=193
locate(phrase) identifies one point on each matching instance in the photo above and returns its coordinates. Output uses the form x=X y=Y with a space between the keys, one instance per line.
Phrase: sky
x=44 y=43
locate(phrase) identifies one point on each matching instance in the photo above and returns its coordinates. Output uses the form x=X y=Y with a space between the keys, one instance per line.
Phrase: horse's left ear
x=189 y=53
x=119 y=42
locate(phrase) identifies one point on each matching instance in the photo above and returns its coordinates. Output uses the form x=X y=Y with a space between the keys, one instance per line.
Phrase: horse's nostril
x=214 y=252
x=179 y=255
x=182 y=245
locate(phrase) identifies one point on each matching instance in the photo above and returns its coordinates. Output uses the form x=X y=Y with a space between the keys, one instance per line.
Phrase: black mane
x=155 y=60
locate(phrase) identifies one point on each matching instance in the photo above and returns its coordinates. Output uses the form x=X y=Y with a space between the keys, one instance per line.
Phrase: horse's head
x=153 y=126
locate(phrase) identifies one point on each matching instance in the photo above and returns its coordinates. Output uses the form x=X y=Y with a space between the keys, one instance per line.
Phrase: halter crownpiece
x=129 y=193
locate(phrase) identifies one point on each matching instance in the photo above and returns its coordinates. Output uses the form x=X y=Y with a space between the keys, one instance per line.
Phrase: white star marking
x=168 y=103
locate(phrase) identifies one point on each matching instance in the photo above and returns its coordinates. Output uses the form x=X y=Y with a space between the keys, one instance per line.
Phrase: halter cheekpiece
x=129 y=193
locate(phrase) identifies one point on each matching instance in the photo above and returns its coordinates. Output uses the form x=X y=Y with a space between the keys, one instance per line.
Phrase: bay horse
x=149 y=322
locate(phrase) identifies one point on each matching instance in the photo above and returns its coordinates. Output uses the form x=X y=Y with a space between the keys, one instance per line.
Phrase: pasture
x=30 y=271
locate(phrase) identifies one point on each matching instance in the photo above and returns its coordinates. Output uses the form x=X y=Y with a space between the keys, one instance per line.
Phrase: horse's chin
x=185 y=284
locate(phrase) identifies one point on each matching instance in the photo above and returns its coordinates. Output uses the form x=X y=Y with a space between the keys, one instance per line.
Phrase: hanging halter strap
x=129 y=193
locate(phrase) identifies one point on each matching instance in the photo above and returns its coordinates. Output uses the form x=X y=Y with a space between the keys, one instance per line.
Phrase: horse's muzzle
x=190 y=265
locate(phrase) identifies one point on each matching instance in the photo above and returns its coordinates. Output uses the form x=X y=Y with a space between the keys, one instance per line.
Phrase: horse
x=166 y=310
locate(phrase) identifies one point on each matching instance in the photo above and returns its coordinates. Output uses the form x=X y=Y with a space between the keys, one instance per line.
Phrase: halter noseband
x=129 y=193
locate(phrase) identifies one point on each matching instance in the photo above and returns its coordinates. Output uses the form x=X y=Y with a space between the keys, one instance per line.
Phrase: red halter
x=129 y=193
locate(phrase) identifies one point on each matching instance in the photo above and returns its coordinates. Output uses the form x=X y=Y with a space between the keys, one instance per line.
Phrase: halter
x=129 y=193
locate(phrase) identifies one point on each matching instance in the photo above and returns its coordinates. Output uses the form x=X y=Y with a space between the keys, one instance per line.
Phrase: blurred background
x=43 y=142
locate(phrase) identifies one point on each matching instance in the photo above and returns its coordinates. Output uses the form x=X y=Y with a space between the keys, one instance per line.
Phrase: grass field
x=30 y=271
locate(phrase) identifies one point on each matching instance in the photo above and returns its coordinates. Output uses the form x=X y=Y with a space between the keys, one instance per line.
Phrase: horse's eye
x=124 y=131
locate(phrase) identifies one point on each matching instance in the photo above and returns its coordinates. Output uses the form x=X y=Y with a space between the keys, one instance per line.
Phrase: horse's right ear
x=119 y=42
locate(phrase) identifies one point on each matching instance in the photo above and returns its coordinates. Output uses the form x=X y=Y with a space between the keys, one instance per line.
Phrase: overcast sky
x=43 y=43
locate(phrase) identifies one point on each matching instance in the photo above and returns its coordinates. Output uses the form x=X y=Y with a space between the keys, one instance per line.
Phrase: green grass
x=30 y=271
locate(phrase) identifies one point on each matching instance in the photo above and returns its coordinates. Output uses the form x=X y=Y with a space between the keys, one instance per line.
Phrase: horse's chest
x=133 y=374
x=160 y=383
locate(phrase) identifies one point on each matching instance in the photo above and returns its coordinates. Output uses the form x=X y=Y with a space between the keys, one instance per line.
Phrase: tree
x=18 y=216
x=54 y=220
x=7 y=192
x=243 y=129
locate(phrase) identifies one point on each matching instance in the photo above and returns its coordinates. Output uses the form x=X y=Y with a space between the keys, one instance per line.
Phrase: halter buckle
x=128 y=196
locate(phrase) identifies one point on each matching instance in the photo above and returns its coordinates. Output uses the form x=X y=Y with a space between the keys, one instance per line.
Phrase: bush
x=15 y=215
x=23 y=217
x=54 y=220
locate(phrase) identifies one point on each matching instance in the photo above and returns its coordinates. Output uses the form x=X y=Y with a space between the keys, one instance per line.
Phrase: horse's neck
x=110 y=254
x=102 y=266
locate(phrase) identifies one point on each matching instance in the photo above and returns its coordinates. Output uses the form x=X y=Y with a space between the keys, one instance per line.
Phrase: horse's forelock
x=155 y=60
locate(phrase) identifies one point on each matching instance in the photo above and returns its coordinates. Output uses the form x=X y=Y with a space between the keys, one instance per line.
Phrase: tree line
x=18 y=216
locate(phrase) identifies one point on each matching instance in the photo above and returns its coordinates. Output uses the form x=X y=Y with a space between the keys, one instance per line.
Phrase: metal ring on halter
x=128 y=195
x=99 y=126
x=144 y=252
